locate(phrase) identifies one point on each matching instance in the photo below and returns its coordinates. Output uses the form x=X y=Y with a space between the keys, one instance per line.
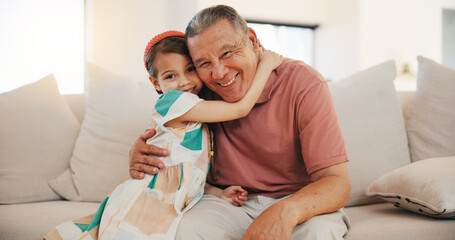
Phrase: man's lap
x=214 y=218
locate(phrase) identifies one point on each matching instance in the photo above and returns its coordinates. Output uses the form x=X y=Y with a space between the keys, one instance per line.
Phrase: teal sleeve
x=166 y=100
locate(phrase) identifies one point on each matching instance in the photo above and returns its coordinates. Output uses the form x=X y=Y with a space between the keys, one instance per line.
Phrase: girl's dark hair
x=167 y=45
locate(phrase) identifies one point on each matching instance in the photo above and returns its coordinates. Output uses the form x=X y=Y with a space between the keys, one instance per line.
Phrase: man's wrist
x=291 y=210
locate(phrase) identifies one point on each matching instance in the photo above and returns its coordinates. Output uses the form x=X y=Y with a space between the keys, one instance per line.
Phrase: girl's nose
x=183 y=81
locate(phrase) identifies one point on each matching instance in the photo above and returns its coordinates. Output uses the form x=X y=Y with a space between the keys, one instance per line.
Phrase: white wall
x=118 y=31
x=292 y=11
x=358 y=34
x=400 y=30
x=352 y=34
x=337 y=40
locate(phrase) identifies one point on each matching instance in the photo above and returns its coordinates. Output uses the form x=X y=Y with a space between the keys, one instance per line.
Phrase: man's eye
x=227 y=54
x=203 y=65
x=170 y=76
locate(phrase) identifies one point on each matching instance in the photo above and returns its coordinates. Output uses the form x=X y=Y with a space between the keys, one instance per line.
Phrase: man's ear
x=155 y=83
x=253 y=38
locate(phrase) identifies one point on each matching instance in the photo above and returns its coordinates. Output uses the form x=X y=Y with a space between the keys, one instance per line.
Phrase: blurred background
x=337 y=37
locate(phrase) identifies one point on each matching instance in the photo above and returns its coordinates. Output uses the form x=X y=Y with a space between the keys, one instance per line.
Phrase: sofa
x=71 y=150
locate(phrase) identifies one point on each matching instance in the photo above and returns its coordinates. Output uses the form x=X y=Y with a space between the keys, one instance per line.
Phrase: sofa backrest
x=77 y=102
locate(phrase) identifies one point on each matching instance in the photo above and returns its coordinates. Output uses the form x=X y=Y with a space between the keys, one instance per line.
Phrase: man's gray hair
x=208 y=16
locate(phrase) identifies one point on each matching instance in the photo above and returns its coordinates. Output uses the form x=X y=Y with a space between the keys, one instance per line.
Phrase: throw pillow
x=118 y=110
x=37 y=131
x=372 y=125
x=431 y=115
x=425 y=187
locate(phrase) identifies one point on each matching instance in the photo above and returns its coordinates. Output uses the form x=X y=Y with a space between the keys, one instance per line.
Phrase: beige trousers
x=213 y=218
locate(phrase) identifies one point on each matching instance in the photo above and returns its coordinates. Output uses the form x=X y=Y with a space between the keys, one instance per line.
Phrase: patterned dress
x=151 y=208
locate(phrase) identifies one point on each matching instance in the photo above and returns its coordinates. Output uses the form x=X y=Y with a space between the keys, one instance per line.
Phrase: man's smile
x=230 y=82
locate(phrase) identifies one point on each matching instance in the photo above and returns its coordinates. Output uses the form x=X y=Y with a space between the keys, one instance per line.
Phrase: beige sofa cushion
x=373 y=127
x=37 y=131
x=118 y=110
x=431 y=116
x=31 y=221
x=384 y=221
x=426 y=187
x=77 y=104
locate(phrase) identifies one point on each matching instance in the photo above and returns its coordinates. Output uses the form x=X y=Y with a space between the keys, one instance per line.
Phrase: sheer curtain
x=39 y=38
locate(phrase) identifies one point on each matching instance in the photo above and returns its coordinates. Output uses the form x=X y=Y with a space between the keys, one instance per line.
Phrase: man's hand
x=274 y=223
x=328 y=192
x=140 y=160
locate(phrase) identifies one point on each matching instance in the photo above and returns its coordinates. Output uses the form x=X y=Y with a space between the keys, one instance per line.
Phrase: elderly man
x=288 y=153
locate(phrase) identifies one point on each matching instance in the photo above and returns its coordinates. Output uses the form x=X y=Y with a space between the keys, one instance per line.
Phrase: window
x=292 y=41
x=40 y=38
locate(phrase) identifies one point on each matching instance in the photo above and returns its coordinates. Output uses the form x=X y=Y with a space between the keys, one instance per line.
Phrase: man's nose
x=219 y=70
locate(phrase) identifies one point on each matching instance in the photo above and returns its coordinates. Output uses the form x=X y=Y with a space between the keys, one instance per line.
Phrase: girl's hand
x=270 y=59
x=235 y=195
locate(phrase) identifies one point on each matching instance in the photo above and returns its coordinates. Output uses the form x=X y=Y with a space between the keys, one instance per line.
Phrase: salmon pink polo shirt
x=291 y=132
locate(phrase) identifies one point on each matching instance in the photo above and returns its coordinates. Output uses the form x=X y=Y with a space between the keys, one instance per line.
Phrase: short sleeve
x=319 y=131
x=173 y=104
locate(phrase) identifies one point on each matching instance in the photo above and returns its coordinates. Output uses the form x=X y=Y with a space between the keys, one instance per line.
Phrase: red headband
x=157 y=39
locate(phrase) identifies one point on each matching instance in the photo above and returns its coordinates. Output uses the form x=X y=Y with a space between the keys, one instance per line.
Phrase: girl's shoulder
x=175 y=99
x=173 y=104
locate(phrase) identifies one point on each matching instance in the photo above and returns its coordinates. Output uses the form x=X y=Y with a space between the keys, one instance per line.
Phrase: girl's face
x=175 y=71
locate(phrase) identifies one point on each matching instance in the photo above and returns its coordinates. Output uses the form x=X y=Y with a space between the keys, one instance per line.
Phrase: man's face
x=225 y=59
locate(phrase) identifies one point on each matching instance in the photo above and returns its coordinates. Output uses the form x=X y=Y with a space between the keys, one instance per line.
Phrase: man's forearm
x=328 y=192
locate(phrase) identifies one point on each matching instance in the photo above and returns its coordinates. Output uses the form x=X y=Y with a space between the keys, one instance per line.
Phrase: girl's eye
x=170 y=76
x=190 y=69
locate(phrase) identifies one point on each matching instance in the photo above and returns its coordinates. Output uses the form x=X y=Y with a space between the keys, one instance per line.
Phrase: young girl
x=151 y=208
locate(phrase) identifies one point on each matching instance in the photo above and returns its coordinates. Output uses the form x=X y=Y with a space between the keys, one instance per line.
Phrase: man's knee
x=189 y=228
x=325 y=227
